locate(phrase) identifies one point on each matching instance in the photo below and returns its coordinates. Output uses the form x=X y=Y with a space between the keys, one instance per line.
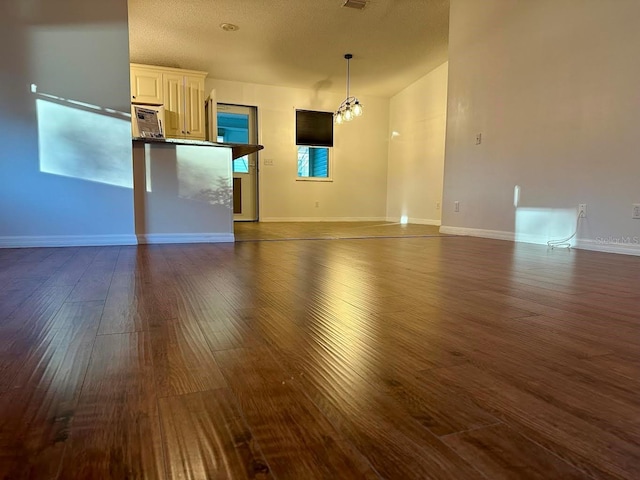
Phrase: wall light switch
x=636 y=211
x=268 y=161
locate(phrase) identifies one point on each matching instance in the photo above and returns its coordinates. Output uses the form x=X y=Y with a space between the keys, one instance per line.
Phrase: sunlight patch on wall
x=203 y=178
x=80 y=143
x=539 y=225
x=147 y=167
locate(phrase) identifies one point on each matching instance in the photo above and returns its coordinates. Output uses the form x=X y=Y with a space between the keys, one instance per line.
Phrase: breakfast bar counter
x=183 y=189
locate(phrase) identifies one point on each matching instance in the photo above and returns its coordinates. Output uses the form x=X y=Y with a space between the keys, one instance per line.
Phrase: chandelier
x=350 y=106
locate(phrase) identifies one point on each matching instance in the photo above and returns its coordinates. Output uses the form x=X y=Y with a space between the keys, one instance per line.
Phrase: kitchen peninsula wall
x=182 y=184
x=182 y=192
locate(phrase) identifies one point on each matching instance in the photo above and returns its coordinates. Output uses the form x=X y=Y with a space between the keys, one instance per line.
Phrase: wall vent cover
x=359 y=4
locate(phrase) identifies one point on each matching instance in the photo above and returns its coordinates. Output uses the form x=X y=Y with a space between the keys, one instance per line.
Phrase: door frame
x=258 y=175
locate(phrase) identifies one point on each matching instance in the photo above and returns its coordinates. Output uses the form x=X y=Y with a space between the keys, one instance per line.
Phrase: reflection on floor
x=441 y=358
x=253 y=231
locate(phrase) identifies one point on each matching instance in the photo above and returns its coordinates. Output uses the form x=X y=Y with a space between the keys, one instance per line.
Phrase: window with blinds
x=314 y=137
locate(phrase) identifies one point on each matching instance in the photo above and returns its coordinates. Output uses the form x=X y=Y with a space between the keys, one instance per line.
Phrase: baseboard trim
x=477 y=232
x=416 y=221
x=160 y=238
x=623 y=245
x=496 y=235
x=66 y=241
x=323 y=219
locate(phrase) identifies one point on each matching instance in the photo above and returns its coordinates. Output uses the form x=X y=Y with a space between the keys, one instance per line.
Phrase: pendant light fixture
x=350 y=106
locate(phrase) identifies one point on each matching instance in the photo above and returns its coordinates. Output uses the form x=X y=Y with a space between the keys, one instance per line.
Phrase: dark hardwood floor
x=401 y=358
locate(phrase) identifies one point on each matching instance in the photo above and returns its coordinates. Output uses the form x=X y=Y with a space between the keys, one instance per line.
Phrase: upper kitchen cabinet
x=146 y=85
x=181 y=93
x=184 y=105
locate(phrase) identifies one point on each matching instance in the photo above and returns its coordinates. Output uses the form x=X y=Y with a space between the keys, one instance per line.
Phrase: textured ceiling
x=295 y=43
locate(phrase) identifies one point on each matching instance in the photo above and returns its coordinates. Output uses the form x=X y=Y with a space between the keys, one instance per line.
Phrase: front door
x=237 y=124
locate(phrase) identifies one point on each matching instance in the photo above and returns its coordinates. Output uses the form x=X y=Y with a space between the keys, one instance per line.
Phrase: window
x=313 y=162
x=234 y=128
x=314 y=137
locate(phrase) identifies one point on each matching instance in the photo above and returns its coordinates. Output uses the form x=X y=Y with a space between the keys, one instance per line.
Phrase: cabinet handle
x=133 y=96
x=188 y=132
x=182 y=131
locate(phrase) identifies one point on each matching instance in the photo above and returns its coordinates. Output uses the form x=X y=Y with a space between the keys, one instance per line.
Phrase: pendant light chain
x=348 y=75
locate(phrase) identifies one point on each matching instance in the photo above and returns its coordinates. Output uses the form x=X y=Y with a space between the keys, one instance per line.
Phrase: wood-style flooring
x=400 y=358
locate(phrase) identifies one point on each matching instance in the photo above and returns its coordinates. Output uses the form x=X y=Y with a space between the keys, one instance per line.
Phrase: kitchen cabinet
x=146 y=85
x=181 y=93
x=184 y=106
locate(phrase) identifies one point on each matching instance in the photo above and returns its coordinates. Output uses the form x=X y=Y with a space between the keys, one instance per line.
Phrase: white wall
x=417 y=123
x=66 y=174
x=552 y=85
x=358 y=189
x=182 y=193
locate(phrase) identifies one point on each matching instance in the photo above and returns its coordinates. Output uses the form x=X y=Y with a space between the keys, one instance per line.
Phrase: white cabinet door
x=194 y=103
x=174 y=105
x=146 y=86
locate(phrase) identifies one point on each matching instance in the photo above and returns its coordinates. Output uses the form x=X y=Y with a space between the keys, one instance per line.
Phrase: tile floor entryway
x=254 y=231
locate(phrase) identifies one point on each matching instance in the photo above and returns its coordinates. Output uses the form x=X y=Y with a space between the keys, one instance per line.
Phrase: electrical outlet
x=456 y=206
x=582 y=210
x=268 y=161
x=317 y=204
x=437 y=205
x=478 y=139
x=636 y=211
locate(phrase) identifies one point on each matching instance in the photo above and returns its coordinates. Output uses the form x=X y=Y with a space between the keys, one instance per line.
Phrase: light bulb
x=357 y=109
x=348 y=115
x=339 y=118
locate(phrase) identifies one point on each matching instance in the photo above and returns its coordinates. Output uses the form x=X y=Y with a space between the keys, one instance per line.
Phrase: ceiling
x=295 y=43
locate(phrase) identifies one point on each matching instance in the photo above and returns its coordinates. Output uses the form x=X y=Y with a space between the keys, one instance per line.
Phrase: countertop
x=237 y=149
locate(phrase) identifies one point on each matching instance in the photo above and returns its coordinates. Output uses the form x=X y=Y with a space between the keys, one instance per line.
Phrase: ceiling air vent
x=359 y=4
